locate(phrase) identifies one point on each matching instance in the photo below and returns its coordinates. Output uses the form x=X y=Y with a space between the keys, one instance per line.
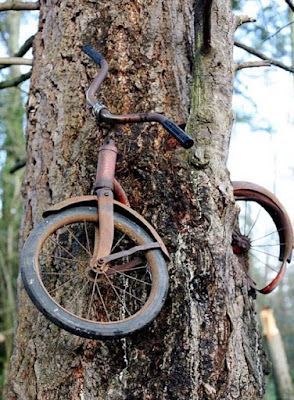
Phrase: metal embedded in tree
x=97 y=268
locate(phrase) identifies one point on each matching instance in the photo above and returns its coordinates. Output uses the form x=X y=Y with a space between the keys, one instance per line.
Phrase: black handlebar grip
x=185 y=140
x=97 y=57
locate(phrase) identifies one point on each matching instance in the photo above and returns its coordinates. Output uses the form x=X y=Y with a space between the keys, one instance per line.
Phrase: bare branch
x=252 y=64
x=15 y=61
x=22 y=51
x=290 y=4
x=25 y=47
x=15 y=81
x=21 y=6
x=20 y=164
x=264 y=57
x=206 y=44
x=243 y=19
x=278 y=31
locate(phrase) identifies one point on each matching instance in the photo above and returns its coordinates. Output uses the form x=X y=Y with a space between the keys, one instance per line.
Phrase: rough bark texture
x=205 y=343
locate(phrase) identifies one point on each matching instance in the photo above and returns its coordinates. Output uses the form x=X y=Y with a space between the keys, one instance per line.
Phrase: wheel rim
x=259 y=242
x=117 y=292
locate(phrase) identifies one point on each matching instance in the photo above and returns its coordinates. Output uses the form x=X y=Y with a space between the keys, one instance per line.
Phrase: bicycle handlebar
x=105 y=115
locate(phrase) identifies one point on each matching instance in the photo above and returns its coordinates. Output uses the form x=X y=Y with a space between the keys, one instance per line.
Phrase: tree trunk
x=205 y=342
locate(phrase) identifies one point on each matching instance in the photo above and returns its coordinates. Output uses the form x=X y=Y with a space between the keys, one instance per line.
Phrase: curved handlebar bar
x=105 y=115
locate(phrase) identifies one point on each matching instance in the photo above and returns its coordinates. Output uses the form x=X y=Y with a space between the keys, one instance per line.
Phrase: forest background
x=261 y=146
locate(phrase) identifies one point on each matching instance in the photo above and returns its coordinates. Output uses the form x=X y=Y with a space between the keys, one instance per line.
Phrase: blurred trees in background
x=272 y=35
x=12 y=151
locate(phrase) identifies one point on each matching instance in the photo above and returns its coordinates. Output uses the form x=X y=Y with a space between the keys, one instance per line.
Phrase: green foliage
x=270 y=393
x=13 y=147
x=11 y=151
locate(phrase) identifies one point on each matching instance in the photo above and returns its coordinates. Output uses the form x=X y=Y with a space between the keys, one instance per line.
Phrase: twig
x=25 y=47
x=264 y=57
x=290 y=4
x=15 y=61
x=206 y=44
x=252 y=64
x=278 y=31
x=19 y=6
x=20 y=164
x=243 y=19
x=15 y=81
x=22 y=51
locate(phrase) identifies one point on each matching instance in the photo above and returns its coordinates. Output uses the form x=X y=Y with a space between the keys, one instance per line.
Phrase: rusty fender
x=121 y=208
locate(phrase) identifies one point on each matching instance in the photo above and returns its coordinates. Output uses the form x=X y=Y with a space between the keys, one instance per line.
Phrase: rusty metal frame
x=119 y=207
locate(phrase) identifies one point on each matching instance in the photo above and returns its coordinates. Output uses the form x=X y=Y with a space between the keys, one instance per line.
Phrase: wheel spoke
x=92 y=297
x=269 y=245
x=65 y=283
x=102 y=301
x=131 y=277
x=245 y=218
x=268 y=234
x=77 y=240
x=129 y=293
x=266 y=253
x=87 y=237
x=117 y=294
x=64 y=249
x=268 y=266
x=58 y=273
x=80 y=291
x=69 y=259
x=253 y=225
x=118 y=242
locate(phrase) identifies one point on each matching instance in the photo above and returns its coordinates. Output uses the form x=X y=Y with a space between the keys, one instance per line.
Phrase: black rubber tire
x=67 y=320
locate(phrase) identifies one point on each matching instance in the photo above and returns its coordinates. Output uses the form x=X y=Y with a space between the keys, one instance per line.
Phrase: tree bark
x=205 y=342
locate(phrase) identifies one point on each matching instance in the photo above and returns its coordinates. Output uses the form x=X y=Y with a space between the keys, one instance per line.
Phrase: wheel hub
x=241 y=243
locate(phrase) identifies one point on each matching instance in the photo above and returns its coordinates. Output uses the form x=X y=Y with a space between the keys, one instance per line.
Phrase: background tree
x=12 y=149
x=205 y=343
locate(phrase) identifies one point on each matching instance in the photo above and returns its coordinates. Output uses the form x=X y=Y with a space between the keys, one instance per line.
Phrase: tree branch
x=7 y=61
x=290 y=4
x=20 y=164
x=25 y=47
x=243 y=19
x=278 y=31
x=15 y=81
x=22 y=51
x=264 y=57
x=206 y=44
x=19 y=6
x=252 y=64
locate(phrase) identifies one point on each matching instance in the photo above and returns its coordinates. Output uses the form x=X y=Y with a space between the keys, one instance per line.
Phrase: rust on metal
x=106 y=223
x=121 y=208
x=250 y=191
x=125 y=253
x=119 y=193
x=125 y=267
x=106 y=165
x=241 y=243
